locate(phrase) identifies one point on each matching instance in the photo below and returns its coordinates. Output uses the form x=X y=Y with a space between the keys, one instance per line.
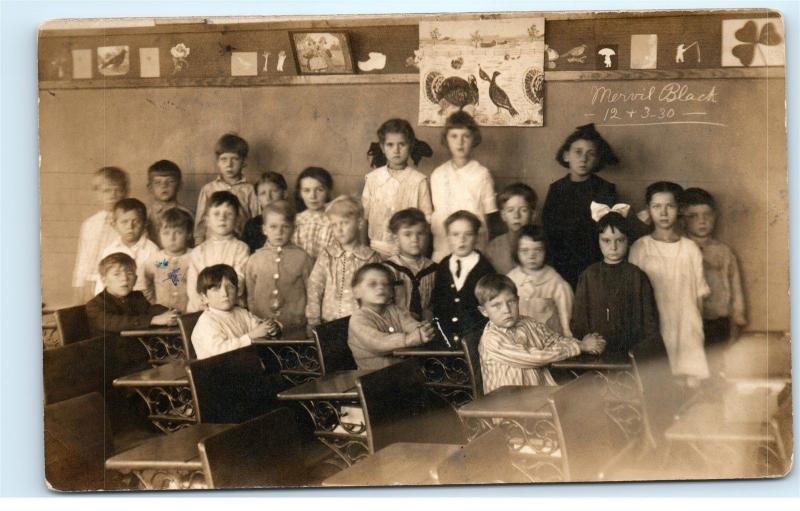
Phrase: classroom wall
x=290 y=127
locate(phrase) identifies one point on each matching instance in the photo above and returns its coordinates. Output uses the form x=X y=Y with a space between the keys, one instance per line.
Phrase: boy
x=414 y=273
x=165 y=272
x=276 y=275
x=514 y=349
x=130 y=220
x=163 y=182
x=517 y=203
x=270 y=188
x=379 y=327
x=723 y=309
x=224 y=326
x=329 y=294
x=110 y=184
x=221 y=247
x=454 y=302
x=231 y=151
x=118 y=307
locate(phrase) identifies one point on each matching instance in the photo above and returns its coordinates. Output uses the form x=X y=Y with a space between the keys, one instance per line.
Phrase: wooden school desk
x=298 y=359
x=448 y=372
x=163 y=345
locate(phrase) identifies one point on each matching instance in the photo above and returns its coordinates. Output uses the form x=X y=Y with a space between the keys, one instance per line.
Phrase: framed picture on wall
x=322 y=53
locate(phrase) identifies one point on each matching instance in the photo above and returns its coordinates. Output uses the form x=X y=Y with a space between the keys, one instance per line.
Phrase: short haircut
x=164 y=168
x=223 y=197
x=274 y=178
x=489 y=286
x=114 y=175
x=664 y=187
x=605 y=155
x=400 y=126
x=532 y=232
x=318 y=173
x=407 y=218
x=116 y=259
x=279 y=207
x=131 y=204
x=231 y=143
x=517 y=190
x=698 y=197
x=345 y=206
x=462 y=120
x=463 y=215
x=358 y=276
x=178 y=218
x=212 y=276
x=615 y=221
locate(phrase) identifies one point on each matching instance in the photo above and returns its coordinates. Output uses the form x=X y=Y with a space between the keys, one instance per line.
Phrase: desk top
x=172 y=374
x=485 y=460
x=338 y=385
x=432 y=349
x=147 y=332
x=283 y=342
x=176 y=451
x=397 y=464
x=511 y=402
x=604 y=362
x=706 y=421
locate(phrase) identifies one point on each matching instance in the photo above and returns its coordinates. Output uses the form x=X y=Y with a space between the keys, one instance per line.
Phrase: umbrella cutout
x=768 y=36
x=607 y=53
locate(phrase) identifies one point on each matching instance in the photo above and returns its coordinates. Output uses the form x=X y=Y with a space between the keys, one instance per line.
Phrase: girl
x=614 y=297
x=543 y=294
x=312 y=231
x=675 y=267
x=570 y=231
x=460 y=183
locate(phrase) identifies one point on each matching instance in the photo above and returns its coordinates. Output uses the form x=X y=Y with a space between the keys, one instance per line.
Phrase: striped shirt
x=312 y=232
x=519 y=355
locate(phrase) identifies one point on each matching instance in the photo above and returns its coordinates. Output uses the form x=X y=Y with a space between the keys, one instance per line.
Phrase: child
x=110 y=184
x=674 y=265
x=379 y=327
x=516 y=350
x=231 y=151
x=163 y=182
x=276 y=275
x=393 y=186
x=723 y=309
x=454 y=302
x=130 y=220
x=461 y=183
x=312 y=230
x=568 y=224
x=614 y=297
x=329 y=293
x=224 y=326
x=414 y=273
x=221 y=247
x=118 y=307
x=166 y=272
x=270 y=188
x=517 y=203
x=544 y=295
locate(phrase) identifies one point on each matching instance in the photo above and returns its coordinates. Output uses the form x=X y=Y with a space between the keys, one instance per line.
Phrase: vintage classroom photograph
x=414 y=249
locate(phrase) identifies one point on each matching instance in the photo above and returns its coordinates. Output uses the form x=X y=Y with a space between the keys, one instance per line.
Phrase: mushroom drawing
x=607 y=53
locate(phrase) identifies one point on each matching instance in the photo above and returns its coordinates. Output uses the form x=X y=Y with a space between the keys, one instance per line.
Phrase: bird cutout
x=266 y=61
x=457 y=62
x=496 y=94
x=552 y=56
x=681 y=50
x=452 y=91
x=768 y=36
x=607 y=52
x=576 y=55
x=113 y=60
x=281 y=60
x=533 y=85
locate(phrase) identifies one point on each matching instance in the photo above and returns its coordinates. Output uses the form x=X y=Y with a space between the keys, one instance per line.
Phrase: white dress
x=470 y=188
x=676 y=273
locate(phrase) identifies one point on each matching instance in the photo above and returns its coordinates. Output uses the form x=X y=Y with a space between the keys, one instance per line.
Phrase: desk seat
x=511 y=401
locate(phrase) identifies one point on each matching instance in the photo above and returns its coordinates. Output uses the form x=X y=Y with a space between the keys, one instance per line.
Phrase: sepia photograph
x=414 y=249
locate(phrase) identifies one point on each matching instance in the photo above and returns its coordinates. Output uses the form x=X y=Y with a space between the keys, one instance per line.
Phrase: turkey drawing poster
x=491 y=69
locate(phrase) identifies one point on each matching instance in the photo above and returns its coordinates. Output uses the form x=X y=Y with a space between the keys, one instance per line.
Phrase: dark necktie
x=458 y=268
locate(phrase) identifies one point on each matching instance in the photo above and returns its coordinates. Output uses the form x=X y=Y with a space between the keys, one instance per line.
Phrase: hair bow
x=600 y=210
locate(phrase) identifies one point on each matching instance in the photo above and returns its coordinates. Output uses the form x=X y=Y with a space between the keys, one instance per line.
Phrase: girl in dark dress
x=568 y=225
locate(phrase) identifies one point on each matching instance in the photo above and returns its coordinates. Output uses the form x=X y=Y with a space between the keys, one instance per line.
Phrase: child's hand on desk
x=274 y=328
x=426 y=332
x=261 y=330
x=168 y=318
x=593 y=344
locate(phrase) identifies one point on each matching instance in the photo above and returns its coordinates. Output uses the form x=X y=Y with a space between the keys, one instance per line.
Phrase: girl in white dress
x=461 y=183
x=674 y=265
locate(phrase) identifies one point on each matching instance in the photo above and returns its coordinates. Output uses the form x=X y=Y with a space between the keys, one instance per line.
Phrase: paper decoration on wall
x=57 y=64
x=81 y=64
x=644 y=51
x=552 y=57
x=113 y=60
x=753 y=42
x=497 y=65
x=607 y=56
x=576 y=55
x=266 y=61
x=149 y=64
x=281 y=60
x=414 y=60
x=322 y=52
x=376 y=61
x=180 y=55
x=680 y=51
x=244 y=63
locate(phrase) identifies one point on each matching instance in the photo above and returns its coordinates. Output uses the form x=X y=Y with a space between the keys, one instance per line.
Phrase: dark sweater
x=110 y=314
